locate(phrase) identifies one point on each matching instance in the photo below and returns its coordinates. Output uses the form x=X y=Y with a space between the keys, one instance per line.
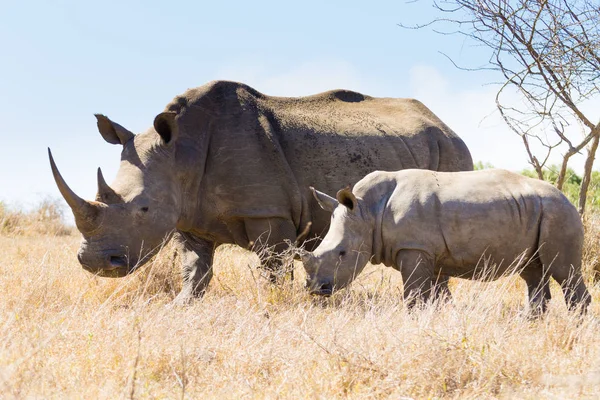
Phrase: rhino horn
x=307 y=257
x=105 y=192
x=85 y=212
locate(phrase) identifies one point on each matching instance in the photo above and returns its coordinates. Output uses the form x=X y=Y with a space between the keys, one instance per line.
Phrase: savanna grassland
x=69 y=334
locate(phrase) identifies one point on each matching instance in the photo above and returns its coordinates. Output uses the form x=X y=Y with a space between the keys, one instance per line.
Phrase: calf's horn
x=306 y=257
x=303 y=234
x=85 y=212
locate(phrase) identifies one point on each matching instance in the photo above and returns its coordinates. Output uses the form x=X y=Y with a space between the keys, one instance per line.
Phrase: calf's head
x=128 y=221
x=346 y=248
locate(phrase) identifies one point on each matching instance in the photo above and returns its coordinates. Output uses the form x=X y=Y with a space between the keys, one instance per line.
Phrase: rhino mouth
x=114 y=266
x=112 y=272
x=113 y=263
x=320 y=289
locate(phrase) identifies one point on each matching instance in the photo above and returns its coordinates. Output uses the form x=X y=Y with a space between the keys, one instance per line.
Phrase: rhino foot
x=182 y=300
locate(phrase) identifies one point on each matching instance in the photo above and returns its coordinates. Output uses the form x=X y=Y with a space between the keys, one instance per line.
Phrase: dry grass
x=46 y=219
x=591 y=250
x=68 y=334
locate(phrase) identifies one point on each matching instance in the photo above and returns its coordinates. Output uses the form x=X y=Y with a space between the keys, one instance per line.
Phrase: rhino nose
x=326 y=289
x=117 y=261
x=84 y=261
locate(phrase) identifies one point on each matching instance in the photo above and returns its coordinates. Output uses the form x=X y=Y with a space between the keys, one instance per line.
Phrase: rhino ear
x=166 y=127
x=326 y=202
x=346 y=198
x=112 y=132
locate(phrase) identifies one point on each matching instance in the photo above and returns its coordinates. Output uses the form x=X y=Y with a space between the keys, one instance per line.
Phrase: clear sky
x=63 y=61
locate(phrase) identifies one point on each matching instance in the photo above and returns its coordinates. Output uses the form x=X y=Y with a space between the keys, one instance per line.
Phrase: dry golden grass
x=68 y=334
x=46 y=219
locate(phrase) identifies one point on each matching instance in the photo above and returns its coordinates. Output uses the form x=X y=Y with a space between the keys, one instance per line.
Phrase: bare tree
x=548 y=51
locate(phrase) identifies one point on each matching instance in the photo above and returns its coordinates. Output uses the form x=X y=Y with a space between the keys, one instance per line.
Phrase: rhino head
x=345 y=249
x=128 y=221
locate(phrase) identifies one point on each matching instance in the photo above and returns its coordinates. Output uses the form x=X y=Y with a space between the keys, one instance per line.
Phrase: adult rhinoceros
x=226 y=164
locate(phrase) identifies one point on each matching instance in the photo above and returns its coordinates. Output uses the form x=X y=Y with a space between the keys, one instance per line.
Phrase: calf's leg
x=417 y=273
x=561 y=246
x=571 y=281
x=538 y=286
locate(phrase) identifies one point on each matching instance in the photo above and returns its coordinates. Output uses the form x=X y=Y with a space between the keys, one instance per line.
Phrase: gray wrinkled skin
x=227 y=164
x=473 y=225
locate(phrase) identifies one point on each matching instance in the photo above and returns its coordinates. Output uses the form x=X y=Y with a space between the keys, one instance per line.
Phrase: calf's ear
x=166 y=126
x=326 y=202
x=346 y=198
x=112 y=132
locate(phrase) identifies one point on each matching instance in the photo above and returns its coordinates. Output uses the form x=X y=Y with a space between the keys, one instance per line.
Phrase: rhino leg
x=196 y=260
x=417 y=274
x=561 y=255
x=271 y=238
x=570 y=279
x=440 y=289
x=538 y=287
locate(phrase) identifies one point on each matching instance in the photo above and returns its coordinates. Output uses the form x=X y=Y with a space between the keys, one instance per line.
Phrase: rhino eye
x=144 y=209
x=342 y=253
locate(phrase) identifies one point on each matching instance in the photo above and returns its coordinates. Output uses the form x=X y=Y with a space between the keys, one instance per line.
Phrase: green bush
x=479 y=165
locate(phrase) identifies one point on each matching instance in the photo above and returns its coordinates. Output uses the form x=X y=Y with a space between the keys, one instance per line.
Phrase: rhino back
x=334 y=139
x=327 y=132
x=463 y=218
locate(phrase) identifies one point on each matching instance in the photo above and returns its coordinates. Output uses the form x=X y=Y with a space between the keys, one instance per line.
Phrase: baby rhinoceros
x=434 y=225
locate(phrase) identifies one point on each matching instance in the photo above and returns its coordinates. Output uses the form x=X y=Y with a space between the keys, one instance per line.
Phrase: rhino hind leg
x=561 y=255
x=538 y=287
x=417 y=274
x=271 y=240
x=570 y=279
x=196 y=257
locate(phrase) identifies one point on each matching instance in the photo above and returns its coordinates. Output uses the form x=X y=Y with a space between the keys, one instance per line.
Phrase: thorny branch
x=548 y=52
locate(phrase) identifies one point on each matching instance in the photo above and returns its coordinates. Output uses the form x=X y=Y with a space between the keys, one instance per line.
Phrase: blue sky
x=63 y=61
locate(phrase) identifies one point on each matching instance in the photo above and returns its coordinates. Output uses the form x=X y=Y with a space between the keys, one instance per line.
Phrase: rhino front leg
x=196 y=257
x=417 y=274
x=538 y=287
x=441 y=289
